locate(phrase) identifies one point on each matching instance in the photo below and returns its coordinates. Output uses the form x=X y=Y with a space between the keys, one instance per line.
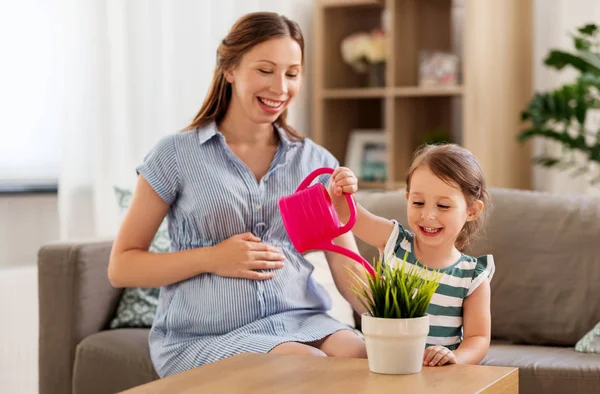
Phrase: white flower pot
x=395 y=346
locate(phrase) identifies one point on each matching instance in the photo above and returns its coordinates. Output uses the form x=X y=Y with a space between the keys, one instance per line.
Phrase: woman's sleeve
x=485 y=268
x=159 y=168
x=329 y=161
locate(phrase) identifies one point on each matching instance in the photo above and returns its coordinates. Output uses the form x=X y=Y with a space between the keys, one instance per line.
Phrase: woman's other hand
x=243 y=255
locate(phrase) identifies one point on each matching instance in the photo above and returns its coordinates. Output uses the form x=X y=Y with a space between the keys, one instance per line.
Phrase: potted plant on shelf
x=396 y=323
x=563 y=114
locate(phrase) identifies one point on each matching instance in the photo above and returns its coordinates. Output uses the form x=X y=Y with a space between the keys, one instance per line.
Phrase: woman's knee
x=344 y=343
x=297 y=348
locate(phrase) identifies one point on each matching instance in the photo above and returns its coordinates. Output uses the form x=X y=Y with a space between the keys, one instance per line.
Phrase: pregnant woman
x=233 y=281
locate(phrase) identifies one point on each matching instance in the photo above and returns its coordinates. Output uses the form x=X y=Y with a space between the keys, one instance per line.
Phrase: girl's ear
x=474 y=210
x=407 y=195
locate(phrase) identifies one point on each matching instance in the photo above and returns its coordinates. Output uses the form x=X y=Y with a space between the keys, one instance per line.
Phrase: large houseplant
x=560 y=115
x=396 y=323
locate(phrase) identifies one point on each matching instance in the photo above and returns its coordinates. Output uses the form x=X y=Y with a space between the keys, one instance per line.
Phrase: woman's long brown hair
x=248 y=31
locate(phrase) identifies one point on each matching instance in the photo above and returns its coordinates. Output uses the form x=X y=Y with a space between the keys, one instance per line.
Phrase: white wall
x=26 y=222
x=553 y=21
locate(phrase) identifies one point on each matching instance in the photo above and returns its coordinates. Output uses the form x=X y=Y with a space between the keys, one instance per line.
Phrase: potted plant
x=396 y=323
x=562 y=114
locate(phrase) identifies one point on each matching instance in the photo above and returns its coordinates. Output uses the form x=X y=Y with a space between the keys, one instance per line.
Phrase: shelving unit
x=493 y=42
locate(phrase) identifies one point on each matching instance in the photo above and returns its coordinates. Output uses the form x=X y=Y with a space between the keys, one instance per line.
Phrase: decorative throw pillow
x=137 y=306
x=590 y=343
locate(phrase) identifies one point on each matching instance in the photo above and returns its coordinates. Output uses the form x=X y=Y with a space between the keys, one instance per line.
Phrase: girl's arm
x=476 y=326
x=370 y=228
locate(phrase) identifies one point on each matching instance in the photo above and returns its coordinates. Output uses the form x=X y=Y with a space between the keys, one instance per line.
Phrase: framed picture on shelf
x=438 y=69
x=366 y=155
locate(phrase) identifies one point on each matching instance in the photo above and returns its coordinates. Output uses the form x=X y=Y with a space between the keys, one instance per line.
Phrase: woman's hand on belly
x=242 y=255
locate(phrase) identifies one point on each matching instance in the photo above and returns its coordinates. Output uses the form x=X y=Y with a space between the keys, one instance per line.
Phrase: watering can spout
x=331 y=247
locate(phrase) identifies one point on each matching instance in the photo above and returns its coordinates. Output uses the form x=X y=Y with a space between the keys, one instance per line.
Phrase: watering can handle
x=327 y=170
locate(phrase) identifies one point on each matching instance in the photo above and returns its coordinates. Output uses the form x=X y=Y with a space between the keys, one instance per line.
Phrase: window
x=30 y=94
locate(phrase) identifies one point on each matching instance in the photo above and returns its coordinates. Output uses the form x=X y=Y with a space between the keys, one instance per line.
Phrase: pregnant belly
x=212 y=305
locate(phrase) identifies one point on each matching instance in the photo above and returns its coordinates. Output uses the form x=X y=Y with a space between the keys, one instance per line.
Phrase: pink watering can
x=312 y=222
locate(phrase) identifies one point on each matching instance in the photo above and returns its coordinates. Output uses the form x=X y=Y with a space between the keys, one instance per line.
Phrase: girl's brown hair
x=457 y=167
x=247 y=32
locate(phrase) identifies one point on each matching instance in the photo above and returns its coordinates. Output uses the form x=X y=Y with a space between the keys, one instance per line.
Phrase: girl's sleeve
x=159 y=168
x=485 y=268
x=399 y=242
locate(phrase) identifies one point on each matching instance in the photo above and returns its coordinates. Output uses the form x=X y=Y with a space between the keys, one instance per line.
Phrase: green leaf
x=592 y=60
x=589 y=30
x=581 y=43
x=560 y=59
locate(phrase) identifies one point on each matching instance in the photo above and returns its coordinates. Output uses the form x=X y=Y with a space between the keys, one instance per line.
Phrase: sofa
x=545 y=297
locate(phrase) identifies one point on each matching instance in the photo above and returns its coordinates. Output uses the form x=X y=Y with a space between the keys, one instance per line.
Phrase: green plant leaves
x=395 y=292
x=560 y=114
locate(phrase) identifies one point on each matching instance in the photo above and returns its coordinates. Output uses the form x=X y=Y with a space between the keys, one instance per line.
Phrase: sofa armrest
x=75 y=300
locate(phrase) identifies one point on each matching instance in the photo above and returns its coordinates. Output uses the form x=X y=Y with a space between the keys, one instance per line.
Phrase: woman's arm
x=132 y=265
x=339 y=265
x=476 y=326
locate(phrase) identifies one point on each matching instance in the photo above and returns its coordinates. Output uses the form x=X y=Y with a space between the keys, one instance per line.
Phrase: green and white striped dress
x=458 y=282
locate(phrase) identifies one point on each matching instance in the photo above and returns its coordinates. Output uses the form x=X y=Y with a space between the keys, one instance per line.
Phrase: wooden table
x=282 y=374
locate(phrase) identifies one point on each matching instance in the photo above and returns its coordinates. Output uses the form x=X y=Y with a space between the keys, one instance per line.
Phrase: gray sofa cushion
x=113 y=361
x=549 y=370
x=544 y=294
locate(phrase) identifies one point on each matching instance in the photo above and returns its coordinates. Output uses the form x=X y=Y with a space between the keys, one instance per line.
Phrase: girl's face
x=267 y=79
x=436 y=210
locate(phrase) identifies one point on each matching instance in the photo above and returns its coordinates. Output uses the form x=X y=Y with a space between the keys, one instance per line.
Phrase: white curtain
x=135 y=71
x=554 y=20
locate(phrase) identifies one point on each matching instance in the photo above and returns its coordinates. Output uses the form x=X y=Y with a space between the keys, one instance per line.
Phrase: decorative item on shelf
x=366 y=54
x=438 y=68
x=366 y=155
x=396 y=323
x=570 y=115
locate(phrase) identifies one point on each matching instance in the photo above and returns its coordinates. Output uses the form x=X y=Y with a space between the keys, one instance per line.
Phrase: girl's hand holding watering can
x=342 y=181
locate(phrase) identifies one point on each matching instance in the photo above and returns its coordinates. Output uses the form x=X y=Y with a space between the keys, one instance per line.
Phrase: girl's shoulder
x=401 y=239
x=399 y=244
x=477 y=269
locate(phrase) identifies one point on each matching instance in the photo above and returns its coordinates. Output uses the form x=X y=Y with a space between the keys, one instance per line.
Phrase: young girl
x=234 y=282
x=447 y=201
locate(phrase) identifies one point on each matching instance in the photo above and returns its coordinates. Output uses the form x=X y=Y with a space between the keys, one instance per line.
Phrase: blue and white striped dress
x=213 y=196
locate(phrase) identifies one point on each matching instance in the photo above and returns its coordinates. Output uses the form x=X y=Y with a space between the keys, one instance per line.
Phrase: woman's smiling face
x=267 y=79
